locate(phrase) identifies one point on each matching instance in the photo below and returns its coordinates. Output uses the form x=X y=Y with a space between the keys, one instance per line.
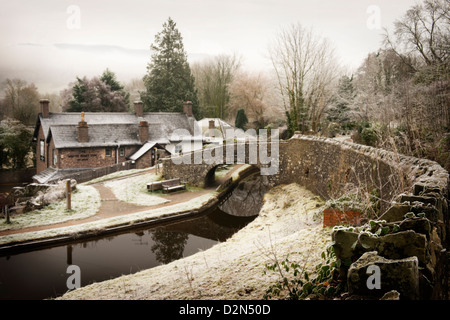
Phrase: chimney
x=211 y=127
x=187 y=109
x=44 y=108
x=143 y=131
x=82 y=130
x=139 y=108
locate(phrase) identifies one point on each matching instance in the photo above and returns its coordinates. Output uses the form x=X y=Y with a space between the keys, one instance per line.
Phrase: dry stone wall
x=328 y=167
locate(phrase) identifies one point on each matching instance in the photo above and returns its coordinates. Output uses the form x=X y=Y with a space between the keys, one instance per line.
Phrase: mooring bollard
x=68 y=195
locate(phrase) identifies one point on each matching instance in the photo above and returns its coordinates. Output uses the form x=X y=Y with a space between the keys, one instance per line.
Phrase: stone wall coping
x=418 y=170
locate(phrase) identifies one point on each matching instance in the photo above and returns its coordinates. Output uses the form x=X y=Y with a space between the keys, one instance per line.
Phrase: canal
x=43 y=274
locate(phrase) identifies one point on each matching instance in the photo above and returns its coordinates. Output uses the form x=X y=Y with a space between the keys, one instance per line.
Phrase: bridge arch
x=210 y=177
x=199 y=167
x=213 y=180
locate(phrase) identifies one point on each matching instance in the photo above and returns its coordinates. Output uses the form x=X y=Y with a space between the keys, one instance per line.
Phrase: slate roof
x=111 y=129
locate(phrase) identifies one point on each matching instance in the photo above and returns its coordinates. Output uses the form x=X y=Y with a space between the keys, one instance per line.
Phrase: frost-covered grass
x=118 y=174
x=85 y=203
x=134 y=190
x=223 y=171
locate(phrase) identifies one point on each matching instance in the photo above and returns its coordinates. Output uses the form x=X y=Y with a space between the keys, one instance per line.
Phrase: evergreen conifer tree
x=109 y=78
x=241 y=119
x=78 y=99
x=169 y=81
x=340 y=111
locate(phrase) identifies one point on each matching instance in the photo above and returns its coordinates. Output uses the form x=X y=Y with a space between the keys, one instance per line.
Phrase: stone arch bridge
x=198 y=167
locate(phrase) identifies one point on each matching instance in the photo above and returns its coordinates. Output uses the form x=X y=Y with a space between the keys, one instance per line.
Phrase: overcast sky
x=50 y=42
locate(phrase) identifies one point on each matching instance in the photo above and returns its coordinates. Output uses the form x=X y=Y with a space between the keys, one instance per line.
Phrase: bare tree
x=423 y=31
x=402 y=90
x=320 y=89
x=254 y=92
x=56 y=101
x=21 y=100
x=421 y=38
x=133 y=87
x=212 y=79
x=305 y=66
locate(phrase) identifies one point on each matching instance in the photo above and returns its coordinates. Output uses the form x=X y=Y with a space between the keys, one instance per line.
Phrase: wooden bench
x=173 y=184
x=166 y=185
x=153 y=186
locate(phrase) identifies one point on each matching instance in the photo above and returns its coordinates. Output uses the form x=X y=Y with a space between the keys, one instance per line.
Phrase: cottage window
x=42 y=149
x=122 y=152
x=178 y=148
x=108 y=152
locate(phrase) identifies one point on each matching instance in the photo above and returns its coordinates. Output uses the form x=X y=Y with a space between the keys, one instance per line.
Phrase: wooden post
x=69 y=254
x=7 y=214
x=156 y=159
x=68 y=195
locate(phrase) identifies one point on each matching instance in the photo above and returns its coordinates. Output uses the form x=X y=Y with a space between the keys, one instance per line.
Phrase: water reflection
x=42 y=274
x=168 y=246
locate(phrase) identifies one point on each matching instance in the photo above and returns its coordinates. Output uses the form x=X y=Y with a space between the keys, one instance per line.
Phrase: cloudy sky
x=50 y=42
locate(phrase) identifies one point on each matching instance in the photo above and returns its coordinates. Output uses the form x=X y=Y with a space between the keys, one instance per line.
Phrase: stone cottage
x=68 y=141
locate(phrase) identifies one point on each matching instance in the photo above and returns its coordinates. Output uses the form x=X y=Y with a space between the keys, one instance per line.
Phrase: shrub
x=300 y=284
x=369 y=136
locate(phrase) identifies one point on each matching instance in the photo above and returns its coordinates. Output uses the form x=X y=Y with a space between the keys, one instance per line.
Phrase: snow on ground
x=85 y=203
x=118 y=174
x=134 y=190
x=288 y=223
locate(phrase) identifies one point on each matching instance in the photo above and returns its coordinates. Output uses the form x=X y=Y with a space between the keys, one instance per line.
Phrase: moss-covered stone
x=400 y=275
x=349 y=246
x=419 y=225
x=396 y=212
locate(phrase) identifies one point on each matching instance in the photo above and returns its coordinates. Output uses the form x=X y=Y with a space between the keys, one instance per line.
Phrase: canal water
x=43 y=273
